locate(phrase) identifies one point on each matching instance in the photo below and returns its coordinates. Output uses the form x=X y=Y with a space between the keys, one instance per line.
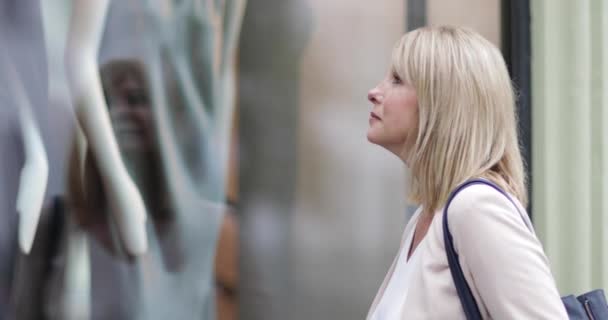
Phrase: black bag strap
x=471 y=310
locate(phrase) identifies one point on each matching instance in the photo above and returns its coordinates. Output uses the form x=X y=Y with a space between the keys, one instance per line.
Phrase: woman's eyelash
x=396 y=78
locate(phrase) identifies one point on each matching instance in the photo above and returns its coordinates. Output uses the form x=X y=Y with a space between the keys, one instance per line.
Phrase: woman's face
x=393 y=119
x=130 y=112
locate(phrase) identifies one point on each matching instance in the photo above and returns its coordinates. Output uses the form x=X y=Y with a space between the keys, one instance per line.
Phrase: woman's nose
x=374 y=96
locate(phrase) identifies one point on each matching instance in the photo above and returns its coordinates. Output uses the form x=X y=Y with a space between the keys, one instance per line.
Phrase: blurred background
x=307 y=214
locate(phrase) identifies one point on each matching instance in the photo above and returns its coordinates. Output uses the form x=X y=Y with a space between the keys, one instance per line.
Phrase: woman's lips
x=374 y=116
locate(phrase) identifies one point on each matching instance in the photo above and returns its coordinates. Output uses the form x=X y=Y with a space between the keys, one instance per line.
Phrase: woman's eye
x=395 y=79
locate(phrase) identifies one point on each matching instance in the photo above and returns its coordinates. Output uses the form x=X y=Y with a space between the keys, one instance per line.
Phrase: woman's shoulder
x=481 y=194
x=484 y=206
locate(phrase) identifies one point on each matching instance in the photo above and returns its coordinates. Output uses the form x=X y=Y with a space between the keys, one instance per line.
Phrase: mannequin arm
x=232 y=19
x=203 y=60
x=33 y=181
x=34 y=175
x=85 y=33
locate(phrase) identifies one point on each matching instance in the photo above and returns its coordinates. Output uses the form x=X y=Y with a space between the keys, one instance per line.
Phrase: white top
x=392 y=300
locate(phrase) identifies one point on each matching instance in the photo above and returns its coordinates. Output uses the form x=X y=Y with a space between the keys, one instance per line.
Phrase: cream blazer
x=502 y=261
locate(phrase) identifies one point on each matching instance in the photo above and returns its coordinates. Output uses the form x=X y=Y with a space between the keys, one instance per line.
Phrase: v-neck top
x=394 y=296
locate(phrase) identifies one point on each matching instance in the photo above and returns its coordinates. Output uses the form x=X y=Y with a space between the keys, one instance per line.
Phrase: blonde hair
x=467 y=126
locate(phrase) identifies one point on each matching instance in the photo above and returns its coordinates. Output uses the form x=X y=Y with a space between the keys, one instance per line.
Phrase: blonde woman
x=446 y=108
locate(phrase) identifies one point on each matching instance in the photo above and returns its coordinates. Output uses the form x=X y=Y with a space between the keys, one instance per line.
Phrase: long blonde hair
x=467 y=124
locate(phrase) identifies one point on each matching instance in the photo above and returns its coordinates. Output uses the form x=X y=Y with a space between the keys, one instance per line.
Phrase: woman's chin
x=372 y=137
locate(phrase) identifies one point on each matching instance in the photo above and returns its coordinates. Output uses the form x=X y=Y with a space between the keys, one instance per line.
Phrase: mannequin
x=203 y=64
x=23 y=108
x=219 y=28
x=191 y=50
x=85 y=32
x=34 y=175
